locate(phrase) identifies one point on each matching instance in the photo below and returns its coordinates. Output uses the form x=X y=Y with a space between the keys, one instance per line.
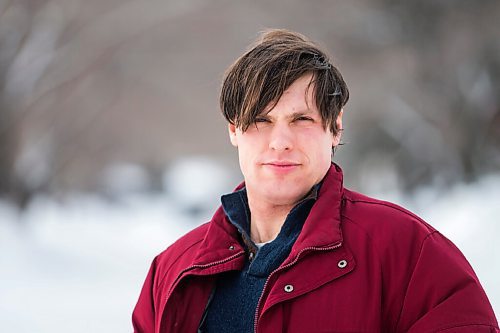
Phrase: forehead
x=299 y=97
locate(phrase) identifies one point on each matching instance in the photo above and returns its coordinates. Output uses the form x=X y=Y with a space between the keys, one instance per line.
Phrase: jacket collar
x=321 y=228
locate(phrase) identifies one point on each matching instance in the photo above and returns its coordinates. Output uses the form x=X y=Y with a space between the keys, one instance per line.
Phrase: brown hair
x=261 y=75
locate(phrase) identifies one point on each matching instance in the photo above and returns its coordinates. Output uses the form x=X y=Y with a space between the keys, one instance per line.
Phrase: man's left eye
x=303 y=119
x=261 y=120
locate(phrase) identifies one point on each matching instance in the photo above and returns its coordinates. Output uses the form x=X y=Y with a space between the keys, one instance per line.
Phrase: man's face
x=287 y=151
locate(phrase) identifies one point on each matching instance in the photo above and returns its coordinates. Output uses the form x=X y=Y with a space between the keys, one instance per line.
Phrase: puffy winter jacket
x=359 y=265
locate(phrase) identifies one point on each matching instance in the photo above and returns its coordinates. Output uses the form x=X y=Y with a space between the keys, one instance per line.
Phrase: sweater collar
x=270 y=256
x=236 y=208
x=321 y=228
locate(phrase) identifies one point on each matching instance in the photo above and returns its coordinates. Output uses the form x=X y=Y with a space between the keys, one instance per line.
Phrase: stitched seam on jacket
x=395 y=207
x=174 y=261
x=368 y=235
x=411 y=276
x=465 y=325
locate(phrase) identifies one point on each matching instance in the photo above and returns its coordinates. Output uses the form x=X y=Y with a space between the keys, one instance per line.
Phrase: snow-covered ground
x=77 y=265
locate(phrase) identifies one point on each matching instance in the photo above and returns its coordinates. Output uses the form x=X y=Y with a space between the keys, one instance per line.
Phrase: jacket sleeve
x=143 y=317
x=444 y=293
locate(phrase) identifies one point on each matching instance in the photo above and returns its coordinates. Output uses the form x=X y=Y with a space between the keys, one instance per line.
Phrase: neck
x=266 y=219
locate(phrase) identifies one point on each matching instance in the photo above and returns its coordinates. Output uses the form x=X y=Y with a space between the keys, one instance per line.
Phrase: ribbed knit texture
x=234 y=302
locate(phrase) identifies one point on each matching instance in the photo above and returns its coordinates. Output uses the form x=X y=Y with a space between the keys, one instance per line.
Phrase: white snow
x=77 y=265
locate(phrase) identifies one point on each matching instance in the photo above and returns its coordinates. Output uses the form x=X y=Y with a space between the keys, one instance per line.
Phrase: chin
x=285 y=196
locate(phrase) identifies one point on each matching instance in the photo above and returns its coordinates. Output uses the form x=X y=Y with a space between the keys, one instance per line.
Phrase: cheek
x=323 y=158
x=247 y=155
x=318 y=147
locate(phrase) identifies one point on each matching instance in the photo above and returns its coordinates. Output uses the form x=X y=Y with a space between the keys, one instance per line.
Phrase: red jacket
x=359 y=265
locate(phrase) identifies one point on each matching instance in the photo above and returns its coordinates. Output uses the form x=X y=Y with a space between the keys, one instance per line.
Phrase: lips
x=281 y=166
x=281 y=163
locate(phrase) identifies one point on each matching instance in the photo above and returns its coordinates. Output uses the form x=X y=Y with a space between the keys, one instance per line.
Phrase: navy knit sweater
x=233 y=303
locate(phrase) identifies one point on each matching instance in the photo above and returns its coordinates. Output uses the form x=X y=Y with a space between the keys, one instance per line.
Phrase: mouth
x=281 y=165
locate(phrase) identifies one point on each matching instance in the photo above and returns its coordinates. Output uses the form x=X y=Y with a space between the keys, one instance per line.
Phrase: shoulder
x=183 y=250
x=373 y=214
x=163 y=272
x=388 y=231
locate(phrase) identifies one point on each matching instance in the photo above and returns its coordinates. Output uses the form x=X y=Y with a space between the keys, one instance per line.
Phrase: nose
x=281 y=138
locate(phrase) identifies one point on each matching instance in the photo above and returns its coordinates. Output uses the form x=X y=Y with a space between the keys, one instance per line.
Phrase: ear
x=338 y=136
x=232 y=134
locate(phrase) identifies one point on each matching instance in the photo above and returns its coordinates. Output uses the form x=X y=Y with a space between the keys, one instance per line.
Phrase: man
x=292 y=250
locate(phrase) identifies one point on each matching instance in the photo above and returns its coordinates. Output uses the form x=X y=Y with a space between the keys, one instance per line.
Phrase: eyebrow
x=302 y=112
x=305 y=111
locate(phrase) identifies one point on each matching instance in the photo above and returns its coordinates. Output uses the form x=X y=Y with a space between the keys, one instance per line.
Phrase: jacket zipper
x=177 y=279
x=333 y=247
x=201 y=266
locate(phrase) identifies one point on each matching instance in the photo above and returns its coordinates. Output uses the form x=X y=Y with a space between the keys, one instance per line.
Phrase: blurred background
x=112 y=144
